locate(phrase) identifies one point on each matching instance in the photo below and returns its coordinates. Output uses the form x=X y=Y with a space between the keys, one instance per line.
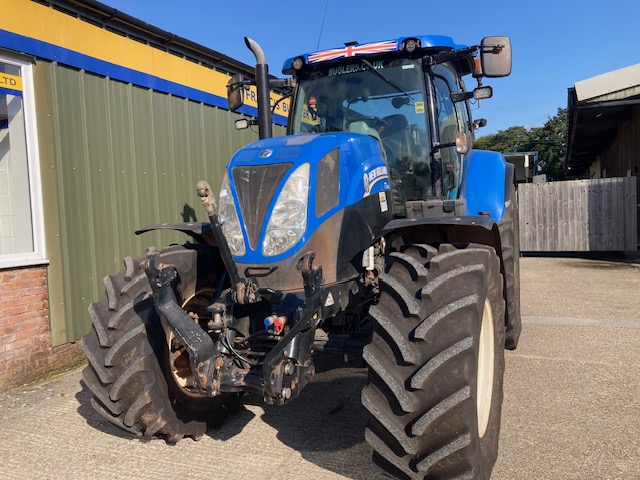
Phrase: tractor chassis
x=216 y=366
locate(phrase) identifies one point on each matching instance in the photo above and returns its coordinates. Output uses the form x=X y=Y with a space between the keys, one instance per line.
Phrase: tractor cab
x=384 y=100
x=408 y=94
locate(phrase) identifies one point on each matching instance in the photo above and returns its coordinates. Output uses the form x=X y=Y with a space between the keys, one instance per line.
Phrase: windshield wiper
x=384 y=78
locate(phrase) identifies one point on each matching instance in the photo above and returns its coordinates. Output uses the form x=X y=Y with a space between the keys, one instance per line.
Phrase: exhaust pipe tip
x=256 y=49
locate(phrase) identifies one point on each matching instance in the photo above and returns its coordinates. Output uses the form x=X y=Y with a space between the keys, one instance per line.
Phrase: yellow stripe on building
x=36 y=21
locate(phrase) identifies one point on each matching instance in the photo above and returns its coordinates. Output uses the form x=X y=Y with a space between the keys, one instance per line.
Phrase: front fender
x=434 y=230
x=202 y=232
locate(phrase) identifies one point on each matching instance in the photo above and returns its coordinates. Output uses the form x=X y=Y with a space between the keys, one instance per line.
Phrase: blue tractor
x=372 y=230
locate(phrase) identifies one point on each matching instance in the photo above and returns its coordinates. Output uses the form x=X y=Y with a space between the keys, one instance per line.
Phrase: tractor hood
x=278 y=191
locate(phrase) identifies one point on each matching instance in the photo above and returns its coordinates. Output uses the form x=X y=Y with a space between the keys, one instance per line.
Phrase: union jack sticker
x=353 y=50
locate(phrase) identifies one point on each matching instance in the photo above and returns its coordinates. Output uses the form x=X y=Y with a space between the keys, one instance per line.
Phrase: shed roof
x=595 y=107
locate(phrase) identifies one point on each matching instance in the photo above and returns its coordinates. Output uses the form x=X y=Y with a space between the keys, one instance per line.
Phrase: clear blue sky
x=555 y=42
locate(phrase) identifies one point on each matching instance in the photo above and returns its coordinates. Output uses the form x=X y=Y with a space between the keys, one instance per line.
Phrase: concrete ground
x=571 y=408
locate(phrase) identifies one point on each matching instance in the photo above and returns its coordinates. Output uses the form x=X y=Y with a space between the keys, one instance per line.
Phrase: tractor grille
x=256 y=186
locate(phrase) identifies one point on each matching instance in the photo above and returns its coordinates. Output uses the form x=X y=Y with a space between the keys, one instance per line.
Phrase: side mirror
x=479 y=123
x=234 y=92
x=495 y=56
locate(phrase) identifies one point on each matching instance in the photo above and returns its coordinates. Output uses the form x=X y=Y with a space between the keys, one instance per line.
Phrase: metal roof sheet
x=615 y=85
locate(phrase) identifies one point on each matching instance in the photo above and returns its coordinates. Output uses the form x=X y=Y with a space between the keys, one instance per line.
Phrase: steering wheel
x=378 y=124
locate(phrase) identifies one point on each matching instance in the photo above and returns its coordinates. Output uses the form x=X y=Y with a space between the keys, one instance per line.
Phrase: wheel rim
x=179 y=363
x=485 y=369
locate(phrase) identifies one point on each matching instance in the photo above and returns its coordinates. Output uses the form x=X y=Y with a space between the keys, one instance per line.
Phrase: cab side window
x=452 y=117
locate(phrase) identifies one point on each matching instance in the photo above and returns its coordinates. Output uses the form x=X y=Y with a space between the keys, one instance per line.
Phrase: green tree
x=550 y=141
x=551 y=144
x=513 y=139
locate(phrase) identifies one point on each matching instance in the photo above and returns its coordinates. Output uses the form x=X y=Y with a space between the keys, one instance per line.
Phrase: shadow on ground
x=325 y=424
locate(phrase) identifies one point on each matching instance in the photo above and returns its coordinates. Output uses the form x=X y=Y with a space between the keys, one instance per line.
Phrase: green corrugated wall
x=116 y=157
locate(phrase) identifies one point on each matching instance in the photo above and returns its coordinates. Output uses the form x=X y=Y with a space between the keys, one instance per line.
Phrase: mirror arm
x=446 y=56
x=282 y=82
x=241 y=83
x=460 y=96
x=494 y=49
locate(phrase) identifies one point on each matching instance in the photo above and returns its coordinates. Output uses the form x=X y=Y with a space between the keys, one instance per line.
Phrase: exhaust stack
x=262 y=86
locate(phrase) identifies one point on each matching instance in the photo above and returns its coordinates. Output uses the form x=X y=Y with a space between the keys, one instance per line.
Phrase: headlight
x=288 y=220
x=228 y=216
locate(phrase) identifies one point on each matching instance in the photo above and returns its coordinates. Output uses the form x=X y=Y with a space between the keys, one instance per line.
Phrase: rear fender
x=484 y=188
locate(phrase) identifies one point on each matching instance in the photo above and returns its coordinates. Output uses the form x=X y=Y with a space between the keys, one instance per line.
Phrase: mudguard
x=199 y=231
x=484 y=187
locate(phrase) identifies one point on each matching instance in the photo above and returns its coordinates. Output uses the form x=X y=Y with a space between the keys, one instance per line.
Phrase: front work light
x=228 y=217
x=288 y=220
x=411 y=45
x=241 y=124
x=298 y=63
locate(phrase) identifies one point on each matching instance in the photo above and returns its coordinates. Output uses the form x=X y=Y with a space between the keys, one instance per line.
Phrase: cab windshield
x=383 y=99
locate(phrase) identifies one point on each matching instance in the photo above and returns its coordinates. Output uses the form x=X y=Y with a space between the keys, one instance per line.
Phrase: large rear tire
x=436 y=363
x=129 y=375
x=509 y=237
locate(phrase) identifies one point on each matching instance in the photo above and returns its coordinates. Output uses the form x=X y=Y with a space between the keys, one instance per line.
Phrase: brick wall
x=26 y=353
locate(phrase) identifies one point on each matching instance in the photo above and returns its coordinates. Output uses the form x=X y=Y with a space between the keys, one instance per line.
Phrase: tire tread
x=421 y=402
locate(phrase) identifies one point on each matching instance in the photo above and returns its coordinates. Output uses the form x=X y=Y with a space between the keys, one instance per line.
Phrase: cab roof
x=433 y=43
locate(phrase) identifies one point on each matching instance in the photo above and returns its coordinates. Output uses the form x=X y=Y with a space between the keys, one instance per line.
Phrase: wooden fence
x=579 y=215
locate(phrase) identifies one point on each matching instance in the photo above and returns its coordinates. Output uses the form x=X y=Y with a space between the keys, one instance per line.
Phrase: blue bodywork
x=362 y=167
x=484 y=188
x=360 y=157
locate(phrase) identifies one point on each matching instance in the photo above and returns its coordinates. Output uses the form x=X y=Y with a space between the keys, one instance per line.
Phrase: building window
x=21 y=232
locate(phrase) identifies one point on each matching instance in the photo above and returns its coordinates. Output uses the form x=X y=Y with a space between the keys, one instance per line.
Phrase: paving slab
x=571 y=407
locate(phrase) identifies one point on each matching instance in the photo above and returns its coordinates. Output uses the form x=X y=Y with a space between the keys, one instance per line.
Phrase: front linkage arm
x=201 y=349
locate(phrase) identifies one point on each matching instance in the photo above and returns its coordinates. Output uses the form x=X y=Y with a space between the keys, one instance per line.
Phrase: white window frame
x=38 y=255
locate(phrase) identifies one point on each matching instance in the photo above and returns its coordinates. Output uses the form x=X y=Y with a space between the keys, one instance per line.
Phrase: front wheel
x=140 y=380
x=436 y=363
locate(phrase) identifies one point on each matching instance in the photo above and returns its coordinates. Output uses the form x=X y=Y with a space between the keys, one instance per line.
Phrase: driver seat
x=397 y=138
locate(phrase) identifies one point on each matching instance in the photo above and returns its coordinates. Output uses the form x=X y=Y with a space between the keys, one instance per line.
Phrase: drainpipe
x=262 y=85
